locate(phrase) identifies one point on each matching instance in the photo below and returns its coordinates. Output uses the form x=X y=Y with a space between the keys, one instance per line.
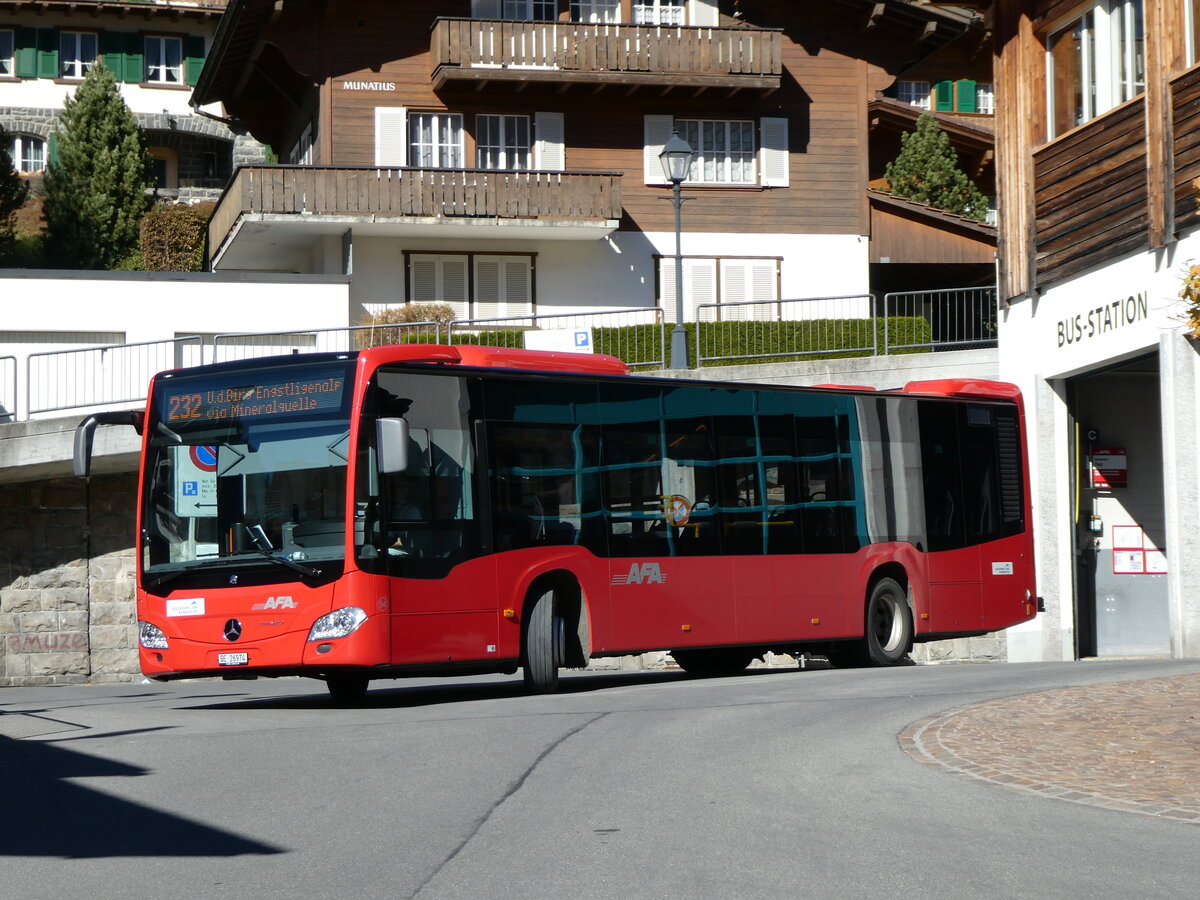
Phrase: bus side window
x=820 y=483
x=941 y=464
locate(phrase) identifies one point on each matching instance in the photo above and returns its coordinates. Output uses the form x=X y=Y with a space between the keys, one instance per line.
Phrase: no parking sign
x=196 y=480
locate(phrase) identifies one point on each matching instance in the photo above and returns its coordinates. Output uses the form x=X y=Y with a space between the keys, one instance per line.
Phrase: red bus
x=430 y=510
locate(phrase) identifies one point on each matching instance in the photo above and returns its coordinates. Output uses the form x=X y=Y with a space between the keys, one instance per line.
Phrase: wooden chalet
x=412 y=134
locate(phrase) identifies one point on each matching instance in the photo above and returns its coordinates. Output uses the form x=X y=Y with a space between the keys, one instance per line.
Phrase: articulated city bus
x=429 y=510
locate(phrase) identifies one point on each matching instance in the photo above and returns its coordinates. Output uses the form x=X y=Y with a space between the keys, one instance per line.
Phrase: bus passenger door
x=952 y=489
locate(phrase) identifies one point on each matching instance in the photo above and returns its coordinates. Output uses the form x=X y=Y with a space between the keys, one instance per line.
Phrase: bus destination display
x=195 y=403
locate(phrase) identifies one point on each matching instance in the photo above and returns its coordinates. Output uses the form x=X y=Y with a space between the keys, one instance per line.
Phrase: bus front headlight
x=151 y=637
x=338 y=624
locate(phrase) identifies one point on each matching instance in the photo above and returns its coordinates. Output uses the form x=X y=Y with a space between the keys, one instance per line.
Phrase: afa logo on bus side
x=641 y=573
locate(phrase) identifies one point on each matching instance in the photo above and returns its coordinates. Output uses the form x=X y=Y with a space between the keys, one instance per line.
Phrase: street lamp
x=676 y=158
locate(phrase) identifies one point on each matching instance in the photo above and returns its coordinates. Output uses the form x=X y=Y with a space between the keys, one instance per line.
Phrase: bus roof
x=495 y=358
x=964 y=387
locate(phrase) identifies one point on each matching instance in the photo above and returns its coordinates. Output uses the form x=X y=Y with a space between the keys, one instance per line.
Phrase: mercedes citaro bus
x=434 y=510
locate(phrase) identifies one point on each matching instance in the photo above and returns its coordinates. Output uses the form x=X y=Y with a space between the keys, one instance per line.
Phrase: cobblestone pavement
x=1132 y=746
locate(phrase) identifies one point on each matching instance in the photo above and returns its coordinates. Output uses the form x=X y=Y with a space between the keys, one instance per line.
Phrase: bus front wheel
x=544 y=638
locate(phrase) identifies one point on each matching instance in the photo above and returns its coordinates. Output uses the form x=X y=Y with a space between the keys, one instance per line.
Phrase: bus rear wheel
x=889 y=623
x=544 y=640
x=347 y=688
x=713 y=663
x=889 y=630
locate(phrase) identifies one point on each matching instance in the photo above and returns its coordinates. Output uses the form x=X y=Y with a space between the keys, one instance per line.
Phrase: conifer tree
x=13 y=192
x=96 y=187
x=926 y=170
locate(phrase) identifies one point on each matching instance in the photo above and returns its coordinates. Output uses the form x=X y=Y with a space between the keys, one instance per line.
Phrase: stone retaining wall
x=67 y=581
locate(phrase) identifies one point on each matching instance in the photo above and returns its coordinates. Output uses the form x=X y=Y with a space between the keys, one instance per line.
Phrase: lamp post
x=676 y=158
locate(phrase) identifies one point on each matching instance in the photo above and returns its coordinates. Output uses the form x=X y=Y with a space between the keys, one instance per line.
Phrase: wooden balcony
x=325 y=200
x=480 y=51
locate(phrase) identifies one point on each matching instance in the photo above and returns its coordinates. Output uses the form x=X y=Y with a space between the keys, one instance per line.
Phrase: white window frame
x=73 y=60
x=1111 y=66
x=716 y=162
x=163 y=72
x=596 y=11
x=528 y=10
x=443 y=145
x=985 y=98
x=503 y=142
x=914 y=93
x=22 y=147
x=660 y=12
x=8 y=53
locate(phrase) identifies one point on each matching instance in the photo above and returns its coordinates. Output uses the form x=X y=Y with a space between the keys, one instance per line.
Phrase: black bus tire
x=713 y=663
x=889 y=623
x=542 y=653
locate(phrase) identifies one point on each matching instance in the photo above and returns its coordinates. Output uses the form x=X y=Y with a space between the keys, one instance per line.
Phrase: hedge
x=735 y=342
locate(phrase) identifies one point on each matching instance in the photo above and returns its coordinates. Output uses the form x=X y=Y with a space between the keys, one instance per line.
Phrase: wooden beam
x=874 y=16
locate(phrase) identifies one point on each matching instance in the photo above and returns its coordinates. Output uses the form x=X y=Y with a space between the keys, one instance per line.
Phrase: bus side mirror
x=391 y=437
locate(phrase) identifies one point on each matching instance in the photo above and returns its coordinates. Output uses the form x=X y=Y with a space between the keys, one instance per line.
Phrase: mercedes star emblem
x=233 y=630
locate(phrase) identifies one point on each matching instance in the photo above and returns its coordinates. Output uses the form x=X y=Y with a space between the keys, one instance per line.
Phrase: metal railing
x=246 y=345
x=959 y=318
x=8 y=389
x=811 y=326
x=857 y=325
x=636 y=336
x=100 y=376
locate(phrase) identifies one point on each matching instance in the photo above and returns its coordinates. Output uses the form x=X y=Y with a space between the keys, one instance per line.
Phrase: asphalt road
x=779 y=783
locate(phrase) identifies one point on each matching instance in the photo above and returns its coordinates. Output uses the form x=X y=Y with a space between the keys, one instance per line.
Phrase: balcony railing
x=482 y=50
x=421 y=193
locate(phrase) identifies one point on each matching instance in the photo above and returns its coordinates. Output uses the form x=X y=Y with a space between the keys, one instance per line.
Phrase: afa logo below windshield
x=641 y=573
x=276 y=603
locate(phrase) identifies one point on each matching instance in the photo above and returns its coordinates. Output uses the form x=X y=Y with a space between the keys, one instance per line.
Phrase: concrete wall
x=47 y=311
x=66 y=581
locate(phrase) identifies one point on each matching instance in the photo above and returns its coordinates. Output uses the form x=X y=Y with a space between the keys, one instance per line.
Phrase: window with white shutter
x=440 y=279
x=391 y=136
x=550 y=148
x=724 y=280
x=726 y=151
x=657 y=131
x=503 y=286
x=704 y=12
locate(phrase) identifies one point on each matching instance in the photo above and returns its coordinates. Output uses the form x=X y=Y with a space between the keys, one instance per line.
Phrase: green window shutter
x=943 y=96
x=134 y=71
x=112 y=50
x=26 y=52
x=47 y=46
x=966 y=96
x=194 y=59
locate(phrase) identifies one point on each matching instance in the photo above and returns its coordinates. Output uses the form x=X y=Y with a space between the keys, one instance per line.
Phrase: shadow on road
x=47 y=815
x=398 y=694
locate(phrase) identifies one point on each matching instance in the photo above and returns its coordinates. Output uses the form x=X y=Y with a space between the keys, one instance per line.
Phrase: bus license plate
x=233 y=659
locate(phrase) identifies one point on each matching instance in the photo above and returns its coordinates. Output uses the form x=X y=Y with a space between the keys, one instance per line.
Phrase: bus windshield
x=247 y=465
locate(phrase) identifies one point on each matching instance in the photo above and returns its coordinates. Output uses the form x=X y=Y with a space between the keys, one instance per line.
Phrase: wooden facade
x=1120 y=182
x=325 y=70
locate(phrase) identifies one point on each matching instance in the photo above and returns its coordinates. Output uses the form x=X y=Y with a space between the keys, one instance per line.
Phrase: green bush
x=173 y=236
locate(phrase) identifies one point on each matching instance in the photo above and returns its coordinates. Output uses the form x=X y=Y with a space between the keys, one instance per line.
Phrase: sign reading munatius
x=1103 y=319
